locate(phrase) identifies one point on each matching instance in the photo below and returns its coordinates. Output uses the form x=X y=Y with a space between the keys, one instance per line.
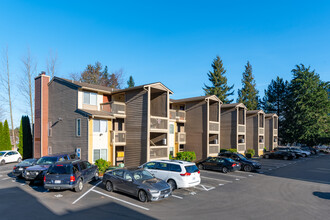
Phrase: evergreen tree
x=6 y=137
x=248 y=95
x=20 y=138
x=219 y=85
x=130 y=82
x=307 y=107
x=27 y=138
x=1 y=135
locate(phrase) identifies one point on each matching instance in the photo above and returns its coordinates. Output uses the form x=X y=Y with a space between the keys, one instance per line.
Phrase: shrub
x=233 y=150
x=186 y=156
x=171 y=157
x=102 y=165
x=251 y=151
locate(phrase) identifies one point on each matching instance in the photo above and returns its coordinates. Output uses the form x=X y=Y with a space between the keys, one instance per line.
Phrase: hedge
x=186 y=156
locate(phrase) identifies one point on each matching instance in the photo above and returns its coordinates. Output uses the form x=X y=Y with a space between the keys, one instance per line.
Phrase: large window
x=100 y=126
x=78 y=127
x=90 y=98
x=100 y=153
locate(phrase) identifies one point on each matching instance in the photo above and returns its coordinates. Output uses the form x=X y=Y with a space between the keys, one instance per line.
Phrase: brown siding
x=228 y=127
x=37 y=119
x=136 y=127
x=196 y=129
x=268 y=133
x=63 y=103
x=158 y=104
x=252 y=139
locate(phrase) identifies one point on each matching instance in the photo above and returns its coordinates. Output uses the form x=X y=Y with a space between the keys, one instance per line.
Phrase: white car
x=177 y=173
x=9 y=156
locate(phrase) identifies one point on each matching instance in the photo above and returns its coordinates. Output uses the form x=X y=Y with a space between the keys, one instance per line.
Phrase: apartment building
x=271 y=134
x=255 y=131
x=233 y=127
x=127 y=126
x=196 y=125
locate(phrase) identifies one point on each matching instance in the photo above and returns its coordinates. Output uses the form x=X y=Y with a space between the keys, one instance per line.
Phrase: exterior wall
x=252 y=140
x=196 y=128
x=63 y=103
x=228 y=126
x=269 y=133
x=158 y=104
x=136 y=127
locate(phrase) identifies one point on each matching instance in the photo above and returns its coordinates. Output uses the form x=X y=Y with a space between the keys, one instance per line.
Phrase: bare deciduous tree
x=29 y=70
x=5 y=80
x=52 y=64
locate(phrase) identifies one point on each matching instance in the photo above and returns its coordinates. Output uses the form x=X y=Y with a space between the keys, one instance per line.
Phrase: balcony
x=158 y=124
x=261 y=146
x=214 y=148
x=261 y=131
x=180 y=116
x=241 y=147
x=241 y=128
x=172 y=114
x=118 y=137
x=213 y=127
x=275 y=132
x=116 y=108
x=180 y=138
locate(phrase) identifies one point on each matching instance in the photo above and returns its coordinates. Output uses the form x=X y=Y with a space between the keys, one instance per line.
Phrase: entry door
x=171 y=138
x=100 y=137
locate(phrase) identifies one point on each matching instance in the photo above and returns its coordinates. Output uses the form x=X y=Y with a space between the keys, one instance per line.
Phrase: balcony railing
x=241 y=147
x=173 y=114
x=181 y=137
x=214 y=148
x=241 y=128
x=261 y=146
x=116 y=108
x=275 y=132
x=158 y=123
x=261 y=130
x=158 y=152
x=213 y=126
x=180 y=115
x=118 y=137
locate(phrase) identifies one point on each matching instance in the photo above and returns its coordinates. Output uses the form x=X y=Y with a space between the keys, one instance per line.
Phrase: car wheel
x=247 y=168
x=304 y=155
x=172 y=184
x=285 y=157
x=143 y=196
x=108 y=186
x=3 y=162
x=96 y=175
x=201 y=167
x=266 y=156
x=79 y=186
x=19 y=160
x=224 y=169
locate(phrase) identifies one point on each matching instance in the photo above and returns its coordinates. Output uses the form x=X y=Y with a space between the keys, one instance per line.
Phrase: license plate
x=20 y=168
x=193 y=178
x=57 y=181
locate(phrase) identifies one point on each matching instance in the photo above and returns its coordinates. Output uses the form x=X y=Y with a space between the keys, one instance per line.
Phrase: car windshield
x=191 y=169
x=230 y=160
x=2 y=153
x=142 y=175
x=60 y=169
x=26 y=162
x=46 y=160
x=241 y=156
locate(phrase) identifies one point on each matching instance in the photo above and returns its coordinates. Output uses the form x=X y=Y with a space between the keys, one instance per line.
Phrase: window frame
x=89 y=94
x=78 y=127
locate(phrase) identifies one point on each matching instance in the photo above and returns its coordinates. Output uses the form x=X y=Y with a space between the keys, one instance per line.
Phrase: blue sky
x=173 y=42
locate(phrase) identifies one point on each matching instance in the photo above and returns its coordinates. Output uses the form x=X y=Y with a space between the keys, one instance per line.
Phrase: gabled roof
x=198 y=98
x=233 y=105
x=97 y=114
x=271 y=115
x=156 y=85
x=252 y=112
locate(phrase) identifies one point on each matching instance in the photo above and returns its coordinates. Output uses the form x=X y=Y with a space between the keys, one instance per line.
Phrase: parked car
x=37 y=172
x=246 y=164
x=10 y=156
x=297 y=152
x=70 y=175
x=219 y=163
x=310 y=149
x=137 y=182
x=19 y=169
x=279 y=155
x=177 y=173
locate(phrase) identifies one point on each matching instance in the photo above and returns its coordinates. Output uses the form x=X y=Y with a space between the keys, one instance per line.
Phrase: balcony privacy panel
x=172 y=114
x=241 y=128
x=118 y=108
x=214 y=126
x=261 y=131
x=241 y=147
x=158 y=152
x=261 y=146
x=275 y=132
x=181 y=137
x=213 y=149
x=158 y=123
x=181 y=115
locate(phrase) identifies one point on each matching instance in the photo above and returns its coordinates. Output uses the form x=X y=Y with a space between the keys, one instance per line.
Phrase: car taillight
x=59 y=165
x=185 y=174
x=72 y=178
x=44 y=178
x=199 y=172
x=234 y=164
x=14 y=168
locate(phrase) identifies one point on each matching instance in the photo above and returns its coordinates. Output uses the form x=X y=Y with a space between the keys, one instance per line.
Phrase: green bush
x=251 y=151
x=102 y=165
x=171 y=157
x=186 y=156
x=233 y=150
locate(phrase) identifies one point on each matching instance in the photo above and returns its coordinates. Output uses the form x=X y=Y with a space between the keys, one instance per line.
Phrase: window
x=100 y=126
x=50 y=129
x=171 y=129
x=82 y=165
x=90 y=98
x=78 y=127
x=150 y=165
x=119 y=173
x=100 y=153
x=175 y=168
x=162 y=166
x=87 y=164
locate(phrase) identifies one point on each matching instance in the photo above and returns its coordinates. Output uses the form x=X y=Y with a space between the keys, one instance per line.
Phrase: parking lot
x=293 y=189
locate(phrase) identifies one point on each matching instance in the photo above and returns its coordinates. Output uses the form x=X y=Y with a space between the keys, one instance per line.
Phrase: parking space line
x=6 y=178
x=224 y=174
x=129 y=203
x=179 y=197
x=204 y=187
x=86 y=192
x=217 y=179
x=6 y=171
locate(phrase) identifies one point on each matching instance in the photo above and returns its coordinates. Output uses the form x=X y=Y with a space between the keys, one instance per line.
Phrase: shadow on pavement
x=322 y=195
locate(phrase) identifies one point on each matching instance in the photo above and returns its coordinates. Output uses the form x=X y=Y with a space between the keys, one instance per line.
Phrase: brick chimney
x=40 y=147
